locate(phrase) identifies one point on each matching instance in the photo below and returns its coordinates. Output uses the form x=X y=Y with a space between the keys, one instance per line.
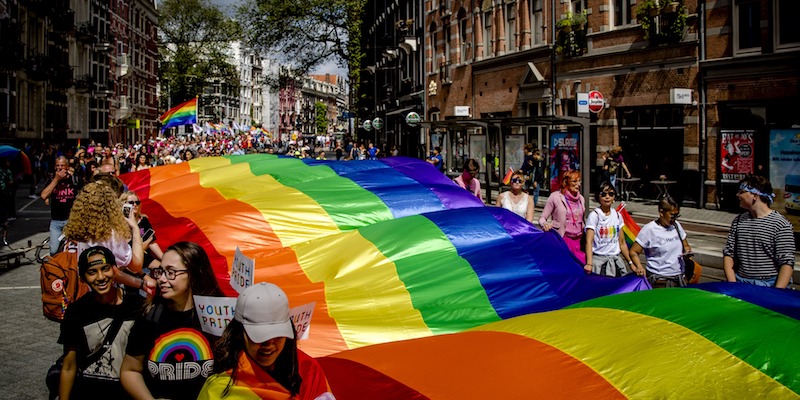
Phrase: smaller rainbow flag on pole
x=182 y=114
x=630 y=228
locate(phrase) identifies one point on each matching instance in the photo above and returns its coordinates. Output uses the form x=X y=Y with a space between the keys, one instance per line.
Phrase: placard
x=242 y=271
x=301 y=318
x=214 y=313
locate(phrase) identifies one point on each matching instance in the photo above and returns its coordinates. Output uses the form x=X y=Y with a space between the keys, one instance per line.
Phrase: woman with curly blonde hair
x=96 y=219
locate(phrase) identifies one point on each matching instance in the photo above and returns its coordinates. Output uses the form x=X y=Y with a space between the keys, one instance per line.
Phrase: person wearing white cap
x=257 y=355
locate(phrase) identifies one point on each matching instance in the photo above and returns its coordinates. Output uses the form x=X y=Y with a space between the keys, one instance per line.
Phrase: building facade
x=62 y=81
x=393 y=79
x=672 y=74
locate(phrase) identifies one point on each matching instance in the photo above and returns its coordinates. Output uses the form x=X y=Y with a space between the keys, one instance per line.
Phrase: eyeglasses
x=171 y=273
x=134 y=202
x=516 y=180
x=608 y=194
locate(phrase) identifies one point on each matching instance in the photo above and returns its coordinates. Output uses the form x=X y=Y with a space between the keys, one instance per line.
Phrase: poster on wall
x=477 y=149
x=436 y=141
x=736 y=154
x=564 y=156
x=784 y=173
x=514 y=153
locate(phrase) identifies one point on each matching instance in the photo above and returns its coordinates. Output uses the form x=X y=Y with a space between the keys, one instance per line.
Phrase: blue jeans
x=55 y=233
x=535 y=193
x=769 y=282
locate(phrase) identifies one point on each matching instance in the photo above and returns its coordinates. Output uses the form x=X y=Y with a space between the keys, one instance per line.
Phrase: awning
x=400 y=110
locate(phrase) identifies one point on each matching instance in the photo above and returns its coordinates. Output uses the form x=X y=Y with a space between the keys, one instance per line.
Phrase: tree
x=321 y=117
x=194 y=46
x=305 y=34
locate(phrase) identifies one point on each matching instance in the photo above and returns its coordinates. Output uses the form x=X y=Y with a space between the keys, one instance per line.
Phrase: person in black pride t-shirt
x=88 y=322
x=60 y=194
x=168 y=355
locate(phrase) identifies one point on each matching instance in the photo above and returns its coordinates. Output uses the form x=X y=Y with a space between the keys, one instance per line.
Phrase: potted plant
x=572 y=21
x=661 y=21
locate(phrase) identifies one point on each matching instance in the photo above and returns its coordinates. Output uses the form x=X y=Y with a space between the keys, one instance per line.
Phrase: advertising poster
x=514 y=154
x=477 y=148
x=736 y=154
x=784 y=173
x=564 y=156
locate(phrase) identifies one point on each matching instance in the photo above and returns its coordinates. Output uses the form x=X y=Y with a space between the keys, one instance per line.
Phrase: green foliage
x=662 y=21
x=194 y=39
x=305 y=34
x=321 y=117
x=571 y=35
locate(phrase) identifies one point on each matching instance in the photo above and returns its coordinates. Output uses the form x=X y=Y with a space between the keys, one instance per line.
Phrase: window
x=537 y=23
x=747 y=26
x=622 y=12
x=788 y=34
x=578 y=5
x=487 y=35
x=462 y=34
x=447 y=38
x=511 y=31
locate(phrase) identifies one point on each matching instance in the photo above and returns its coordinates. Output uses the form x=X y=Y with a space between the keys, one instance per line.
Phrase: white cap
x=263 y=309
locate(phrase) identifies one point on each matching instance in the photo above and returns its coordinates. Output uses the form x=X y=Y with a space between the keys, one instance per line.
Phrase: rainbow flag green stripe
x=735 y=325
x=348 y=204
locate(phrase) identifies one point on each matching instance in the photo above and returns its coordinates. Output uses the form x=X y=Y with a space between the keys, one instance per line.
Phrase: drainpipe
x=703 y=110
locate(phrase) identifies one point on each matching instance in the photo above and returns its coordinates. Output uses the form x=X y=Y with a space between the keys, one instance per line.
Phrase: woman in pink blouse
x=564 y=210
x=469 y=178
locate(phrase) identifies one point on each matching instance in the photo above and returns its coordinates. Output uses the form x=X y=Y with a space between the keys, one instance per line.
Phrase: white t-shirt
x=662 y=247
x=606 y=231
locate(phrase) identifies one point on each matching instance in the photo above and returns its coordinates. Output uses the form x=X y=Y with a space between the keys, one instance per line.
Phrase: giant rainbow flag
x=711 y=341
x=182 y=114
x=421 y=292
x=388 y=250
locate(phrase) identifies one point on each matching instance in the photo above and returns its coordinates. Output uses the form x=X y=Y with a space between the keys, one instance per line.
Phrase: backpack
x=60 y=281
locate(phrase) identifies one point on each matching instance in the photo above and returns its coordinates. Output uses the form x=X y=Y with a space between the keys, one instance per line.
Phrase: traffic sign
x=596 y=102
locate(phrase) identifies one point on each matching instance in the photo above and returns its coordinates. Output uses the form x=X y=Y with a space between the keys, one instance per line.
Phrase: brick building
x=672 y=76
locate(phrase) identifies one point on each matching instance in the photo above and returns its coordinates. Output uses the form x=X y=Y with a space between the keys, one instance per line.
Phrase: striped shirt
x=760 y=246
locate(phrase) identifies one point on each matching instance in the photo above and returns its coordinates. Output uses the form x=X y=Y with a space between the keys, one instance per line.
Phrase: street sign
x=377 y=123
x=583 y=103
x=412 y=119
x=367 y=125
x=596 y=102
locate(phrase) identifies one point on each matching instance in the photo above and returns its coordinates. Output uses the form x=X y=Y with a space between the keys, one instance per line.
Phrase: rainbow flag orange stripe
x=630 y=229
x=182 y=114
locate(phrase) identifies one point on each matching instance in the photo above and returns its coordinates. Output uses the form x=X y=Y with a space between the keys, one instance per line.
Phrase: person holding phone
x=152 y=251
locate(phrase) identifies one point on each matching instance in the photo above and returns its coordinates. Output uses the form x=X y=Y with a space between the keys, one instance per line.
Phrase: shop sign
x=413 y=119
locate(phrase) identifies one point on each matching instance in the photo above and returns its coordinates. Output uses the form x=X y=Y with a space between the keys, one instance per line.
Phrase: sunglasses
x=516 y=180
x=473 y=172
x=134 y=202
x=608 y=194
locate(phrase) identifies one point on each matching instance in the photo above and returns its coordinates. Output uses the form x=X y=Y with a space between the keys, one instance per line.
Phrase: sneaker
x=33 y=196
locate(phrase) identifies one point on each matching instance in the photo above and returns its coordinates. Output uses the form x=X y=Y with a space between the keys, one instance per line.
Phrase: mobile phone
x=148 y=234
x=126 y=210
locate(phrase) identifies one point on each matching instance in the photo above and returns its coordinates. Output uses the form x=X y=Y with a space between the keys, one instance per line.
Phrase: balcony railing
x=86 y=32
x=84 y=83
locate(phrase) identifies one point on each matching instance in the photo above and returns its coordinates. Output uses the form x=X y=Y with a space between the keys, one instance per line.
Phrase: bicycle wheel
x=43 y=250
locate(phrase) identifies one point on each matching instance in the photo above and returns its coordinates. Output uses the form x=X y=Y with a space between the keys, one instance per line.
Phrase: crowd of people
x=142 y=295
x=759 y=249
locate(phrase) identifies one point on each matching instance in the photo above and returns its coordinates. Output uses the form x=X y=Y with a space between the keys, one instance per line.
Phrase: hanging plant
x=662 y=21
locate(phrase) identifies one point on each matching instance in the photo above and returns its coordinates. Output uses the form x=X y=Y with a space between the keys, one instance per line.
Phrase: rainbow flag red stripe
x=630 y=229
x=182 y=114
